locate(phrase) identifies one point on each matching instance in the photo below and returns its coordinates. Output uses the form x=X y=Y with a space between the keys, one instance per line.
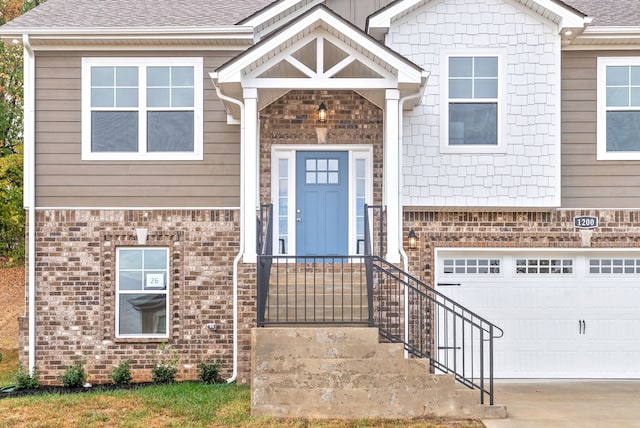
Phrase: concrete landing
x=568 y=403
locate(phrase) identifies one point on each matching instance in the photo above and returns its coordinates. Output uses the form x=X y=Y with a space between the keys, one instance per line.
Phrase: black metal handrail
x=313 y=290
x=431 y=325
x=264 y=250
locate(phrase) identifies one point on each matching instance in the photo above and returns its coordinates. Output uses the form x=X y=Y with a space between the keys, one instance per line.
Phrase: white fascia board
x=147 y=33
x=569 y=18
x=611 y=32
x=410 y=74
x=383 y=19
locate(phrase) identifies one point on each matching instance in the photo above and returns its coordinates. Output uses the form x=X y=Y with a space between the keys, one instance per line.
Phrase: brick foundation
x=75 y=274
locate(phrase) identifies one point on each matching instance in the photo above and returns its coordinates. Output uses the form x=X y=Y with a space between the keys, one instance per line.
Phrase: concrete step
x=329 y=372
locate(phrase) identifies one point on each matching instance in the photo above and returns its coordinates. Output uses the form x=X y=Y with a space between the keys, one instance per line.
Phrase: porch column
x=392 y=173
x=249 y=172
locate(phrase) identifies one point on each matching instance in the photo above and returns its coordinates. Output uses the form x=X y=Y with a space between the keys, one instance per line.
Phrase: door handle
x=582 y=327
x=298 y=219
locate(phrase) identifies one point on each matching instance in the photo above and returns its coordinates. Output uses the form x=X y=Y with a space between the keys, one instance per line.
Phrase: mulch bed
x=51 y=389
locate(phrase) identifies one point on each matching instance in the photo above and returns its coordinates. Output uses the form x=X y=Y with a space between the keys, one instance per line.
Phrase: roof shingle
x=65 y=14
x=614 y=13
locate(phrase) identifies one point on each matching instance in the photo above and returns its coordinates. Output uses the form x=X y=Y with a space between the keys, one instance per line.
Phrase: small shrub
x=165 y=366
x=0 y=357
x=121 y=374
x=26 y=380
x=210 y=372
x=74 y=375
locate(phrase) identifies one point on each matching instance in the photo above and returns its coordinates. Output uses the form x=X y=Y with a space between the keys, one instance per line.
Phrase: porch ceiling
x=318 y=51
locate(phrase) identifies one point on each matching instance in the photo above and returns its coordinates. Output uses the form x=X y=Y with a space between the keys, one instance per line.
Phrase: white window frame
x=142 y=64
x=118 y=293
x=289 y=152
x=445 y=147
x=602 y=153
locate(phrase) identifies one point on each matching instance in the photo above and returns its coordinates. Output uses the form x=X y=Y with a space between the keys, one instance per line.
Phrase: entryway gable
x=318 y=50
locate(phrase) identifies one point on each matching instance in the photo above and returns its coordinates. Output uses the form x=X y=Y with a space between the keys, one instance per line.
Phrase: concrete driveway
x=568 y=403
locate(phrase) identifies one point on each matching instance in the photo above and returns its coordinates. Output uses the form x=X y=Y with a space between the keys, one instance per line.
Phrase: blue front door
x=322 y=195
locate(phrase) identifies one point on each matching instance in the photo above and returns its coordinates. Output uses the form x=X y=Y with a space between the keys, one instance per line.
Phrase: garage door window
x=544 y=266
x=614 y=266
x=471 y=266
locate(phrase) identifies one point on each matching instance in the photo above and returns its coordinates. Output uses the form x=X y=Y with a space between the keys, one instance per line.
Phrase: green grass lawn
x=8 y=366
x=186 y=404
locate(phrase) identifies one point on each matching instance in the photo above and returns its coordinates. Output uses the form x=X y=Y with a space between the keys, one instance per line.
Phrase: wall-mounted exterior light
x=322 y=112
x=413 y=240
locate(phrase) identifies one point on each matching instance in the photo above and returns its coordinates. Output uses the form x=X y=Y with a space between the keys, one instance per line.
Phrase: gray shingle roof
x=61 y=14
x=615 y=13
x=64 y=14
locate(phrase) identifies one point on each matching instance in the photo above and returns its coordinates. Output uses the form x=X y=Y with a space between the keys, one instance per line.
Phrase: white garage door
x=564 y=315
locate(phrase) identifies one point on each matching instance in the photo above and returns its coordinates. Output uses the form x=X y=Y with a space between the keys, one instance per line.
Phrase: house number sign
x=155 y=280
x=585 y=222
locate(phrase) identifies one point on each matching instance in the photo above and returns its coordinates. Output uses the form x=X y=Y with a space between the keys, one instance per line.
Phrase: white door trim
x=288 y=152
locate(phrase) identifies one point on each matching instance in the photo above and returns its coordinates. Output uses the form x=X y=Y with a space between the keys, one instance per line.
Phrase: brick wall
x=502 y=229
x=75 y=274
x=293 y=120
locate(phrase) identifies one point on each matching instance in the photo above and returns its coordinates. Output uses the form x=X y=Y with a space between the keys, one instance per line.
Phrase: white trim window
x=142 y=300
x=142 y=109
x=619 y=108
x=472 y=108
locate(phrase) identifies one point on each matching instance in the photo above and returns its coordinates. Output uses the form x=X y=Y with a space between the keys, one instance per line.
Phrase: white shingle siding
x=526 y=171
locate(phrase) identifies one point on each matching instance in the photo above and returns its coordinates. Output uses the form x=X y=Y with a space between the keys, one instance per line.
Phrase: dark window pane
x=486 y=67
x=102 y=97
x=102 y=76
x=170 y=131
x=182 y=76
x=182 y=97
x=143 y=314
x=486 y=88
x=635 y=75
x=623 y=131
x=461 y=67
x=460 y=88
x=155 y=259
x=127 y=76
x=130 y=259
x=617 y=75
x=130 y=280
x=473 y=124
x=114 y=131
x=618 y=97
x=158 y=76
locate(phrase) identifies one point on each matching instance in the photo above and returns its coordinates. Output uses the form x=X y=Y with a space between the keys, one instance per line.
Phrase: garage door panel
x=564 y=315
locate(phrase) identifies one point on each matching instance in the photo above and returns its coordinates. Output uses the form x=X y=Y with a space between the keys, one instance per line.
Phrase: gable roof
x=369 y=66
x=556 y=11
x=120 y=14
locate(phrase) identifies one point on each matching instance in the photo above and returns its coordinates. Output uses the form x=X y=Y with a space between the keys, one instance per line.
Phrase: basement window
x=141 y=292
